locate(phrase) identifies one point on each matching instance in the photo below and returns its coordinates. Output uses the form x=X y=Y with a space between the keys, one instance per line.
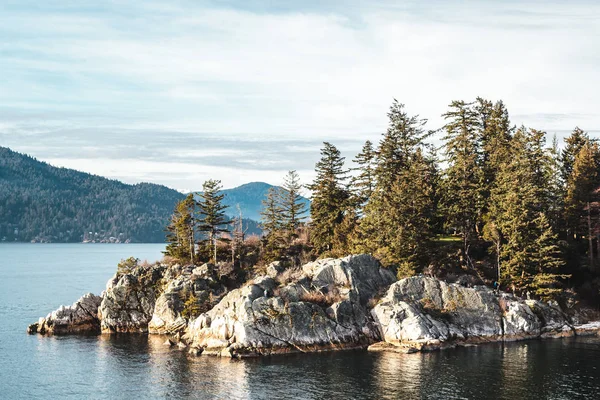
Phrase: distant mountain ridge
x=43 y=203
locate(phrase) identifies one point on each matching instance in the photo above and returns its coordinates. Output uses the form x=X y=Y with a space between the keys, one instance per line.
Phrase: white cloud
x=318 y=74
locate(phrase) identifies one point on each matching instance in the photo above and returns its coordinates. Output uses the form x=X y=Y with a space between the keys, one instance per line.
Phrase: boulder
x=81 y=317
x=246 y=323
x=129 y=299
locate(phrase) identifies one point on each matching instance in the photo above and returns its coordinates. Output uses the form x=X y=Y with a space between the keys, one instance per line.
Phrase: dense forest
x=42 y=203
x=495 y=202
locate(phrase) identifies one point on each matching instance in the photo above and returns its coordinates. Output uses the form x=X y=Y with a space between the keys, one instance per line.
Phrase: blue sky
x=181 y=91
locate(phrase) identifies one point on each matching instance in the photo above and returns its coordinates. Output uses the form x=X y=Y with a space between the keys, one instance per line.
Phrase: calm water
x=37 y=278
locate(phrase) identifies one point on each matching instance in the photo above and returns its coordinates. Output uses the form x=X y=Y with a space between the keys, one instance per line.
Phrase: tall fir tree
x=525 y=241
x=363 y=183
x=212 y=221
x=180 y=231
x=573 y=144
x=387 y=216
x=462 y=200
x=293 y=209
x=329 y=198
x=273 y=224
x=582 y=192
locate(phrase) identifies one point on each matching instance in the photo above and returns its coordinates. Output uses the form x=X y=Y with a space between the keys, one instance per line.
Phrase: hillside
x=249 y=197
x=43 y=203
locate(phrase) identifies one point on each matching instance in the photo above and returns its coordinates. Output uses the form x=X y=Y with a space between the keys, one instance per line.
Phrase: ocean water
x=36 y=278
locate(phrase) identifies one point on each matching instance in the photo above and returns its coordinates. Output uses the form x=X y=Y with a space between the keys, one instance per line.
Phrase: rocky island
x=328 y=304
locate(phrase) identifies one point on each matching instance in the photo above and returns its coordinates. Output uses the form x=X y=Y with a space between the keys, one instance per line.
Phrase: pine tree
x=547 y=260
x=329 y=198
x=379 y=226
x=411 y=212
x=180 y=231
x=363 y=183
x=573 y=145
x=462 y=199
x=581 y=193
x=293 y=209
x=273 y=224
x=525 y=241
x=212 y=221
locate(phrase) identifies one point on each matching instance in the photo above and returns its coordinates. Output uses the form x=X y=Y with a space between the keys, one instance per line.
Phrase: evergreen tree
x=329 y=198
x=212 y=221
x=573 y=145
x=379 y=228
x=547 y=261
x=581 y=193
x=411 y=213
x=525 y=241
x=363 y=183
x=273 y=224
x=180 y=231
x=293 y=209
x=462 y=198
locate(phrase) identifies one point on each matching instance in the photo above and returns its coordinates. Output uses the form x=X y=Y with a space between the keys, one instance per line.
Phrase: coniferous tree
x=212 y=220
x=581 y=194
x=293 y=209
x=329 y=198
x=273 y=224
x=462 y=198
x=363 y=183
x=547 y=261
x=180 y=231
x=378 y=228
x=573 y=145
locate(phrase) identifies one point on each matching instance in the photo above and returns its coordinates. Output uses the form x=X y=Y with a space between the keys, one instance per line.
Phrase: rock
x=421 y=313
x=245 y=323
x=169 y=343
x=128 y=303
x=275 y=268
x=81 y=317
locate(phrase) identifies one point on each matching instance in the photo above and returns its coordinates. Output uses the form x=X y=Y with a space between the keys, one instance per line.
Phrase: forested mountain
x=42 y=203
x=249 y=197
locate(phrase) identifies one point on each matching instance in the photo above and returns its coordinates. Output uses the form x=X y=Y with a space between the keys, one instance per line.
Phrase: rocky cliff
x=329 y=304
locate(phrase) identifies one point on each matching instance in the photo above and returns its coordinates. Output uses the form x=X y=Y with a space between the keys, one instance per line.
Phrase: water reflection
x=138 y=366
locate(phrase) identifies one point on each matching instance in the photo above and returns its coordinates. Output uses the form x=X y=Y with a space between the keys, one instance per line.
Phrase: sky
x=179 y=92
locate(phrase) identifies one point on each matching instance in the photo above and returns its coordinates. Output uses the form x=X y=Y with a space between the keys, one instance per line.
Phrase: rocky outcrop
x=80 y=318
x=168 y=316
x=421 y=313
x=129 y=299
x=328 y=304
x=325 y=309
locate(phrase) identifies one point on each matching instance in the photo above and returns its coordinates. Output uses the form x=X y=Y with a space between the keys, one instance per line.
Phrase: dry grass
x=320 y=298
x=503 y=305
x=289 y=275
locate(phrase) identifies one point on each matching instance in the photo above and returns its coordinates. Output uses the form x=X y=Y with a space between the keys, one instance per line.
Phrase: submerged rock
x=81 y=317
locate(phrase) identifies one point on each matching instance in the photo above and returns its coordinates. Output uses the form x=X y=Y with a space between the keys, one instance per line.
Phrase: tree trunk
x=590 y=238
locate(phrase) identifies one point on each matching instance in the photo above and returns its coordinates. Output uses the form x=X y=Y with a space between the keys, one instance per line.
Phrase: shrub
x=127 y=266
x=289 y=275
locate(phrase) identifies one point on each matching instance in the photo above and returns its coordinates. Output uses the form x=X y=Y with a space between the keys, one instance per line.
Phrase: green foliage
x=329 y=198
x=181 y=231
x=212 y=220
x=43 y=203
x=126 y=266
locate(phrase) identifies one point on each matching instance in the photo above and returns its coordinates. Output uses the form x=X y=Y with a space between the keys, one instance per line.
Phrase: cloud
x=255 y=86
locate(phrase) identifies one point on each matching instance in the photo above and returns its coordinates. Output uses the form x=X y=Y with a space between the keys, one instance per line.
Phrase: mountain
x=249 y=198
x=43 y=203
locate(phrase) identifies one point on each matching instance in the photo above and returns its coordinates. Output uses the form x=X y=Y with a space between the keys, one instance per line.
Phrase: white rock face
x=421 y=313
x=128 y=301
x=81 y=317
x=246 y=322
